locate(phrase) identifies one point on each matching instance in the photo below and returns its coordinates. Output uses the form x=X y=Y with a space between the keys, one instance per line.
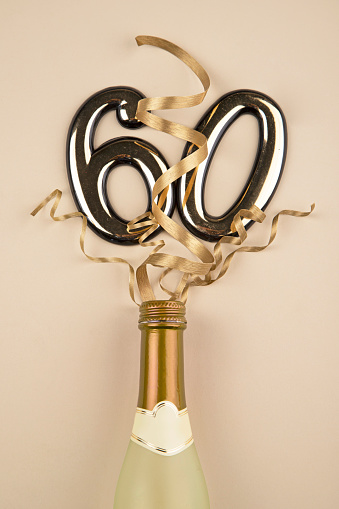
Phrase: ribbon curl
x=56 y=194
x=157 y=216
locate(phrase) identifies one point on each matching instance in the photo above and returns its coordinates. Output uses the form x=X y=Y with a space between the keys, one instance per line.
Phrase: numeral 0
x=88 y=169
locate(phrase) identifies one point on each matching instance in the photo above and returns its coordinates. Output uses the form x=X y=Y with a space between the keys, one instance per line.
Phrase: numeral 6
x=88 y=169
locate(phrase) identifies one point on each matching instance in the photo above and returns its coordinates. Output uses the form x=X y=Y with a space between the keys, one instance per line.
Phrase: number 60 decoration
x=89 y=168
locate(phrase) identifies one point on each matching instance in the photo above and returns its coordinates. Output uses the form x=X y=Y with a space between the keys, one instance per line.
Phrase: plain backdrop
x=261 y=348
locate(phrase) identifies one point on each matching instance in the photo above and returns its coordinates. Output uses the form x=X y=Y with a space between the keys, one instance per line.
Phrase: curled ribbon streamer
x=148 y=222
x=172 y=174
x=245 y=249
x=183 y=286
x=254 y=213
x=98 y=259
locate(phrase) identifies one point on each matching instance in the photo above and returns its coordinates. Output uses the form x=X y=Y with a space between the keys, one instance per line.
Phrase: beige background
x=262 y=344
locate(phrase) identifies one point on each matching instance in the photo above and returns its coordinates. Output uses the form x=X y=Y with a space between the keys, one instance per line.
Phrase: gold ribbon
x=56 y=195
x=194 y=273
x=157 y=216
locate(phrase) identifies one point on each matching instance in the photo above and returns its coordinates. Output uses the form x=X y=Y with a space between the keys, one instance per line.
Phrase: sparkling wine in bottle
x=161 y=469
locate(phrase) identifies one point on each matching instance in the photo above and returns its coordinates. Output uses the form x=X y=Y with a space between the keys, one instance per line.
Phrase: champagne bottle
x=161 y=469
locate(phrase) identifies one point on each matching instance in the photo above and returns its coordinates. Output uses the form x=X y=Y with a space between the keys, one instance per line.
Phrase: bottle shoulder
x=150 y=481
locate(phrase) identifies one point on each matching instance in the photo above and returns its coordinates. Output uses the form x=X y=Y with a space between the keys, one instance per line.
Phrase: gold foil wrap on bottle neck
x=162 y=313
x=162 y=354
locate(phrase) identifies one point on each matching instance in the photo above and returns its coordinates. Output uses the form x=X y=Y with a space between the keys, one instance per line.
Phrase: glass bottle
x=161 y=469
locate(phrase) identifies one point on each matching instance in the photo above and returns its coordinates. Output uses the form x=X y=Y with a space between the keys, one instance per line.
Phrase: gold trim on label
x=175 y=450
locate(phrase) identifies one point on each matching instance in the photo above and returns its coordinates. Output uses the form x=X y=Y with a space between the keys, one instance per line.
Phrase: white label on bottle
x=163 y=430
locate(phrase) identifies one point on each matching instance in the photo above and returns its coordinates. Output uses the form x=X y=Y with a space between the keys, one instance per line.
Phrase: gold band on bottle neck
x=162 y=313
x=162 y=355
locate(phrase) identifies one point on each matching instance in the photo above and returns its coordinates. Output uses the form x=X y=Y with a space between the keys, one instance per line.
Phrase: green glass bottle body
x=161 y=469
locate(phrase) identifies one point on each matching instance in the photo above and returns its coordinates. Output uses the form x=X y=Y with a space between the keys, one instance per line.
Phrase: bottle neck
x=162 y=354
